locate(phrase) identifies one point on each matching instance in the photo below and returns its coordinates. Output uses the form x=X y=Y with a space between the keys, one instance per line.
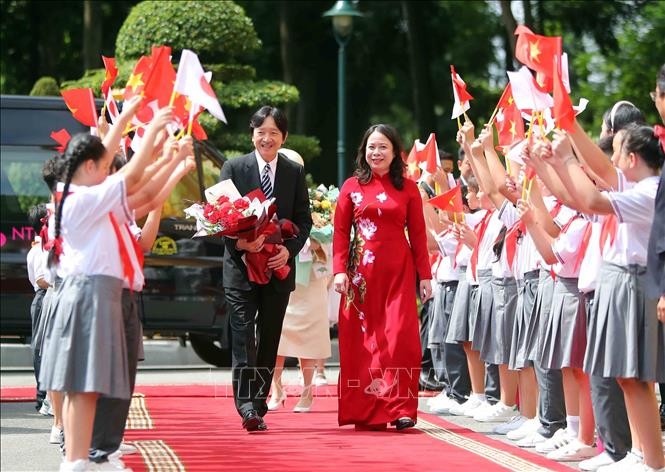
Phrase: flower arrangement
x=226 y=213
x=322 y=202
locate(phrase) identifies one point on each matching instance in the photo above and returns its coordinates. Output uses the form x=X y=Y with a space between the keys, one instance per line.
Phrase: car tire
x=209 y=349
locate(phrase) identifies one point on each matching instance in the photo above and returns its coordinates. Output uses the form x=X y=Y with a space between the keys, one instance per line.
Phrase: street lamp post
x=342 y=14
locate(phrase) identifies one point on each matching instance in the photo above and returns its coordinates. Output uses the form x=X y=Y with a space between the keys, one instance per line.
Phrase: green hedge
x=246 y=94
x=44 y=87
x=219 y=32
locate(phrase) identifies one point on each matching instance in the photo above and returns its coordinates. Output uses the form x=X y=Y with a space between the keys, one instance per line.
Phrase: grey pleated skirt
x=626 y=340
x=46 y=316
x=459 y=328
x=482 y=309
x=564 y=338
x=498 y=338
x=525 y=326
x=541 y=313
x=444 y=299
x=84 y=344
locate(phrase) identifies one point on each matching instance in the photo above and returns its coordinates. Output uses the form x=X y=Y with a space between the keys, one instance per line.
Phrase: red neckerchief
x=137 y=247
x=584 y=245
x=127 y=267
x=512 y=236
x=480 y=232
x=608 y=231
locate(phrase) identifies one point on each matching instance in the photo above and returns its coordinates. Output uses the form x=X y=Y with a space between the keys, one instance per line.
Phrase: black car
x=183 y=294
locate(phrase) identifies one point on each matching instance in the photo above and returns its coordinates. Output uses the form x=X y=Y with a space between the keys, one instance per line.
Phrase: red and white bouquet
x=227 y=213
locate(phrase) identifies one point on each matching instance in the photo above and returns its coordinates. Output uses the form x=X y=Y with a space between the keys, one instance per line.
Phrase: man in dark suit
x=656 y=251
x=257 y=311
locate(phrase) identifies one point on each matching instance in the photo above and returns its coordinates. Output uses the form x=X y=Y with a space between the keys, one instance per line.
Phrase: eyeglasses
x=652 y=94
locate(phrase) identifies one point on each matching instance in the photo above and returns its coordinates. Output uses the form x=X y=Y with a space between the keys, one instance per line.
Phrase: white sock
x=479 y=396
x=573 y=424
x=637 y=452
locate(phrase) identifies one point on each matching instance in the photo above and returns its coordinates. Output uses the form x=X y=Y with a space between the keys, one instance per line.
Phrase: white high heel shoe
x=304 y=405
x=277 y=399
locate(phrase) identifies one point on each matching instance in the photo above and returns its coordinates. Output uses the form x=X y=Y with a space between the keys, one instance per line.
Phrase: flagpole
x=459 y=124
x=189 y=127
x=172 y=99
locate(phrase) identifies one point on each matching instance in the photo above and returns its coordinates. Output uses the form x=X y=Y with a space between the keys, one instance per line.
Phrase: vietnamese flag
x=61 y=137
x=136 y=81
x=81 y=102
x=509 y=125
x=412 y=168
x=430 y=154
x=537 y=52
x=111 y=74
x=449 y=201
x=160 y=78
x=562 y=111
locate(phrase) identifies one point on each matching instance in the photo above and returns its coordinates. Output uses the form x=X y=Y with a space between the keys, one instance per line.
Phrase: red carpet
x=196 y=428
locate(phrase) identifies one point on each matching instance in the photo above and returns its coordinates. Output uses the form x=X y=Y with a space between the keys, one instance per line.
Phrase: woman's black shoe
x=403 y=423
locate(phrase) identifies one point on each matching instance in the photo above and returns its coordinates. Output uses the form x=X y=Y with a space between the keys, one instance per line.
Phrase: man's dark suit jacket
x=656 y=252
x=292 y=200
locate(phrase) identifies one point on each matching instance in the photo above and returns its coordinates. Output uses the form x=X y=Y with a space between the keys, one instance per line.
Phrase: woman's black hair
x=605 y=145
x=621 y=115
x=117 y=163
x=81 y=147
x=397 y=167
x=471 y=185
x=640 y=140
x=35 y=216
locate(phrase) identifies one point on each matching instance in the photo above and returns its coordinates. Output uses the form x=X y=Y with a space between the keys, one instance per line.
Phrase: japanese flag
x=191 y=81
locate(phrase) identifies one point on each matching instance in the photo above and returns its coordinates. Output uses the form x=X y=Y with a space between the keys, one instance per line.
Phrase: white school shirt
x=445 y=269
x=89 y=244
x=590 y=266
x=464 y=256
x=527 y=257
x=561 y=219
x=634 y=209
x=566 y=248
x=486 y=255
x=36 y=263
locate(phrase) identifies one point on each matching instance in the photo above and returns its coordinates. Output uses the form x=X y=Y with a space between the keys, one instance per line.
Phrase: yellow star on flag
x=135 y=81
x=534 y=52
x=513 y=130
x=510 y=100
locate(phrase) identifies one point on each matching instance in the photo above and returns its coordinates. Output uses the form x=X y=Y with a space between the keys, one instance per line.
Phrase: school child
x=626 y=340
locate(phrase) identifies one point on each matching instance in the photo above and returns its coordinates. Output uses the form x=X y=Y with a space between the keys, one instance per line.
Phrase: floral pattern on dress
x=368 y=257
x=367 y=228
x=382 y=197
x=356 y=198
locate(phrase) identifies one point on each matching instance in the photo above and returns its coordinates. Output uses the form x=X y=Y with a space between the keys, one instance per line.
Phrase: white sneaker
x=80 y=465
x=594 y=463
x=575 y=451
x=472 y=404
x=496 y=414
x=528 y=427
x=111 y=465
x=46 y=409
x=514 y=423
x=54 y=438
x=320 y=380
x=432 y=400
x=442 y=405
x=126 y=448
x=561 y=438
x=531 y=439
x=627 y=463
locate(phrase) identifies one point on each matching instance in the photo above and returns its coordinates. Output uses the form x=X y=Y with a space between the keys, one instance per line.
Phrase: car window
x=22 y=182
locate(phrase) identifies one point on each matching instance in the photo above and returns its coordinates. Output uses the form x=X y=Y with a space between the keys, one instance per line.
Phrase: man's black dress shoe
x=251 y=421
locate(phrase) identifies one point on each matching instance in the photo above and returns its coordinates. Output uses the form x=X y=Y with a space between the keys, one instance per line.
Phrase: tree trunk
x=420 y=70
x=285 y=52
x=528 y=14
x=92 y=34
x=510 y=25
